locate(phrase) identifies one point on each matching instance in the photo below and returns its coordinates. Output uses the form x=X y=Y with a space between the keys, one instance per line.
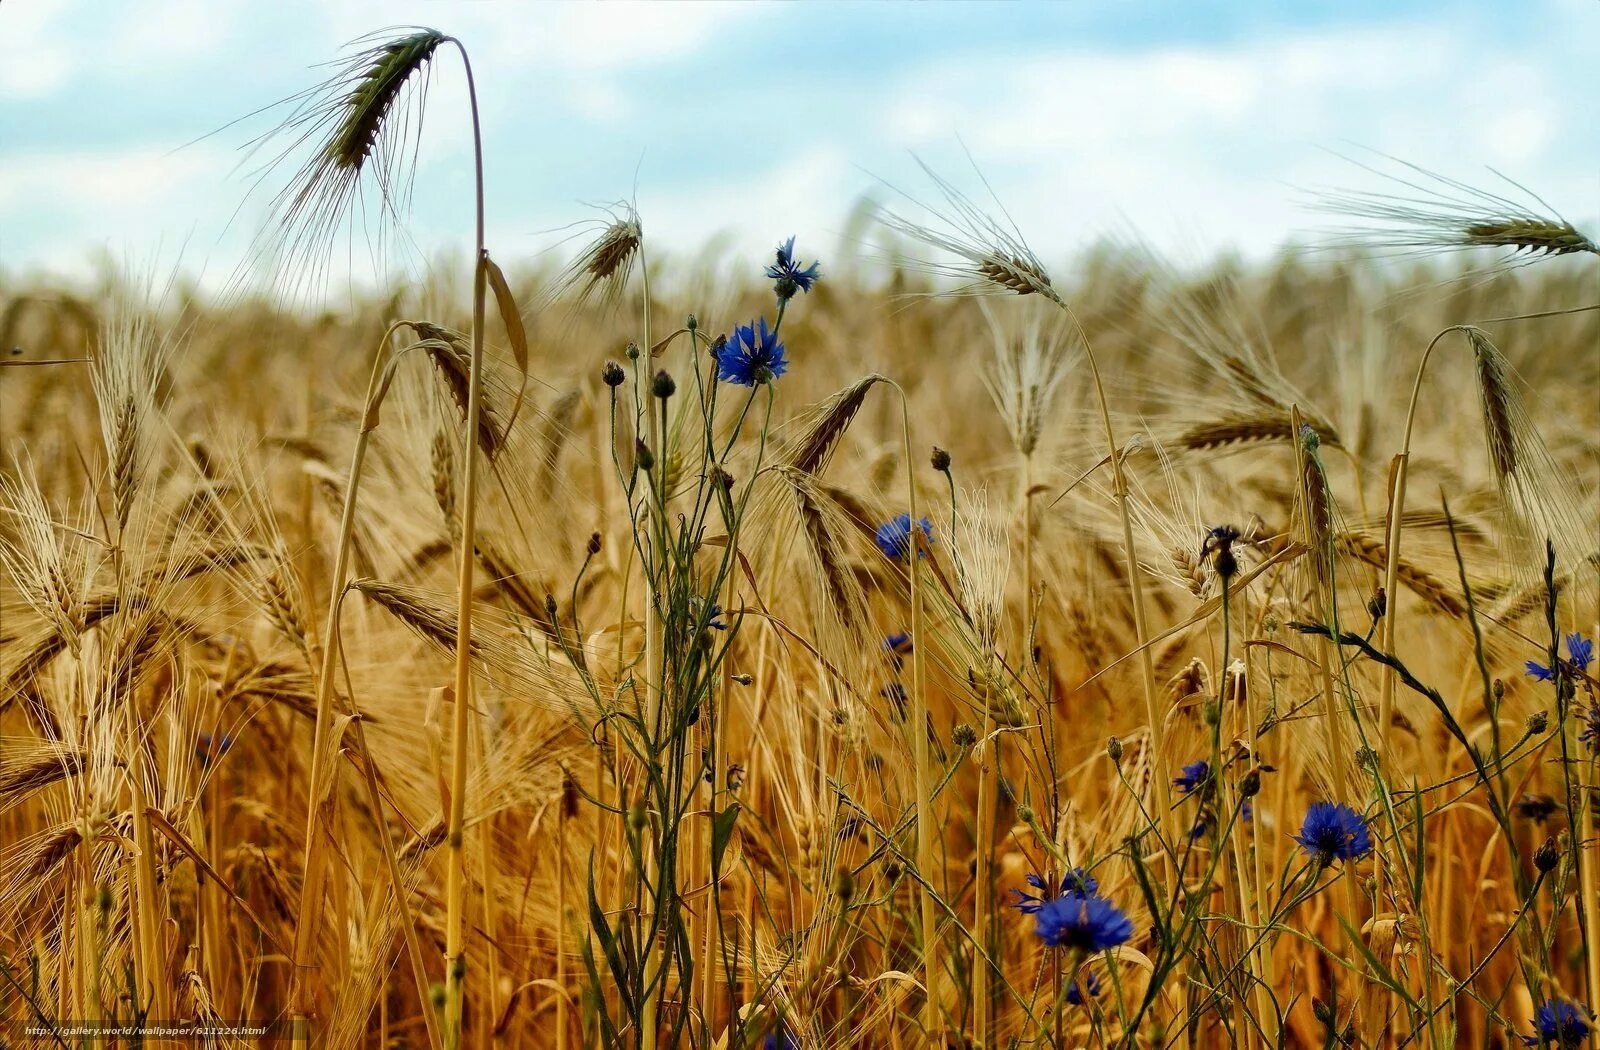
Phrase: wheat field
x=932 y=647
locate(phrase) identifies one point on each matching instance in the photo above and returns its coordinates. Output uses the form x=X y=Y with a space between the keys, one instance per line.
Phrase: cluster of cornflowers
x=752 y=354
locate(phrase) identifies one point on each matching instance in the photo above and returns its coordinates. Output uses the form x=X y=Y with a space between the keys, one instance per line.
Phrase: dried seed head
x=359 y=123
x=1429 y=213
x=993 y=257
x=602 y=268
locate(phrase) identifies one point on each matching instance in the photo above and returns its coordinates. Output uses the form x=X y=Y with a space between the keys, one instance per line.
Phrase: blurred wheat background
x=750 y=759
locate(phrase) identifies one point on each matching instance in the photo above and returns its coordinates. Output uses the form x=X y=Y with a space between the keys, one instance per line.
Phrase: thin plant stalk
x=983 y=891
x=312 y=874
x=1141 y=629
x=456 y=873
x=932 y=1021
x=653 y=656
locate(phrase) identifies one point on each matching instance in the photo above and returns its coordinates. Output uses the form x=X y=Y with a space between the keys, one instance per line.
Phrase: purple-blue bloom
x=1580 y=654
x=209 y=748
x=751 y=356
x=1194 y=774
x=780 y=1040
x=1333 y=831
x=894 y=536
x=1075 y=883
x=788 y=276
x=1087 y=924
x=1559 y=1024
x=1075 y=993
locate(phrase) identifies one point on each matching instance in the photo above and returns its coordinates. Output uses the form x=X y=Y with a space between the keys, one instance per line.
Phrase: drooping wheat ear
x=1529 y=233
x=602 y=268
x=427 y=618
x=818 y=514
x=814 y=445
x=452 y=359
x=359 y=122
x=388 y=68
x=993 y=257
x=1430 y=213
x=1371 y=550
x=21 y=779
x=1192 y=569
x=442 y=469
x=1495 y=398
x=1542 y=500
x=1239 y=430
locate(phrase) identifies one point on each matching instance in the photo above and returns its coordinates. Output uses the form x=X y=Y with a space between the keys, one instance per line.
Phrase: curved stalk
x=1141 y=629
x=456 y=876
x=932 y=1022
x=313 y=872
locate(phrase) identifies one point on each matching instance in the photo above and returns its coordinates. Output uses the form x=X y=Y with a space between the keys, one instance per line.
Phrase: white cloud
x=38 y=56
x=1189 y=143
x=125 y=201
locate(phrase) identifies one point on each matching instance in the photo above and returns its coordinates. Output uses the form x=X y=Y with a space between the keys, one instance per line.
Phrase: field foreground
x=946 y=685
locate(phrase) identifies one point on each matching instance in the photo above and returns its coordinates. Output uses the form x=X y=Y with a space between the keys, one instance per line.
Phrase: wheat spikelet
x=1425 y=585
x=1494 y=396
x=826 y=548
x=1432 y=213
x=433 y=622
x=279 y=600
x=983 y=565
x=1269 y=426
x=601 y=269
x=452 y=360
x=1024 y=373
x=354 y=124
x=813 y=447
x=19 y=778
x=993 y=257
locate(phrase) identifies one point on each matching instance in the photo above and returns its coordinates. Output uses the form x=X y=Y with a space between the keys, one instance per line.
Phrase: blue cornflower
x=898 y=643
x=752 y=355
x=1082 y=924
x=1580 y=654
x=1194 y=774
x=209 y=748
x=1075 y=883
x=1591 y=729
x=1075 y=993
x=1558 y=1024
x=1333 y=831
x=780 y=1040
x=894 y=536
x=787 y=276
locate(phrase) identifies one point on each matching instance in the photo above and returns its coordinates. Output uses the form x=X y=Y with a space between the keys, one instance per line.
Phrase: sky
x=1198 y=127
